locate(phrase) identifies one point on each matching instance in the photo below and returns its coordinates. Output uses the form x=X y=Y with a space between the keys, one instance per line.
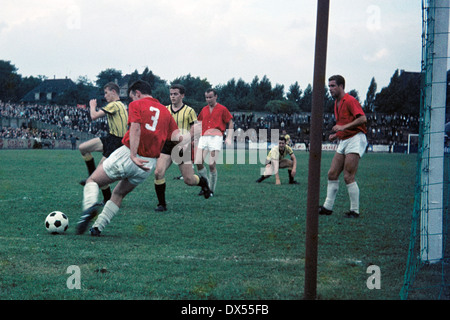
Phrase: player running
x=214 y=120
x=181 y=154
x=151 y=124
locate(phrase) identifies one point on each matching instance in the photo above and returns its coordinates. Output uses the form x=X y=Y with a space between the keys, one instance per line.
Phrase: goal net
x=427 y=274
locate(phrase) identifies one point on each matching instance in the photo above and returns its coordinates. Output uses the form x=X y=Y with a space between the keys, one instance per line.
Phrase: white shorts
x=356 y=144
x=119 y=166
x=211 y=143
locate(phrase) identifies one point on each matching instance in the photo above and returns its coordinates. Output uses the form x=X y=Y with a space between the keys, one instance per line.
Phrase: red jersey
x=157 y=126
x=346 y=112
x=214 y=123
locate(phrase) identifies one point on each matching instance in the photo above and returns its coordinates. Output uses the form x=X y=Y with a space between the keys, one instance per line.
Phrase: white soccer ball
x=56 y=222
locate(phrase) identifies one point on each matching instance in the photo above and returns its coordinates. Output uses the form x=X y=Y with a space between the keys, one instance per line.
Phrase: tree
x=354 y=94
x=158 y=86
x=81 y=94
x=108 y=75
x=85 y=90
x=295 y=93
x=261 y=93
x=278 y=92
x=9 y=81
x=387 y=100
x=370 y=96
x=195 y=90
x=152 y=79
x=242 y=95
x=306 y=101
x=402 y=95
x=135 y=76
x=162 y=93
x=26 y=85
x=281 y=106
x=227 y=94
x=411 y=96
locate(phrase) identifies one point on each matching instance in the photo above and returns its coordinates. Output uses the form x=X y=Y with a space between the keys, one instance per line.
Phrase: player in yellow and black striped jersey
x=276 y=159
x=117 y=116
x=185 y=117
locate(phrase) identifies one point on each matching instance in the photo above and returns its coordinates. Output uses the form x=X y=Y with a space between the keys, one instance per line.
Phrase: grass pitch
x=247 y=242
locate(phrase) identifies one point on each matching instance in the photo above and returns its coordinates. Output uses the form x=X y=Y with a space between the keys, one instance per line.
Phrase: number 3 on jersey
x=154 y=119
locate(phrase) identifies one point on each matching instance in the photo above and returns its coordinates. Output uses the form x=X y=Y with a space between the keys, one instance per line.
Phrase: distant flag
x=81 y=106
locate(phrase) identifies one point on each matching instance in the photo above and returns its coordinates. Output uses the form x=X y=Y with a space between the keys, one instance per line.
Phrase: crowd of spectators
x=391 y=129
x=382 y=128
x=30 y=133
x=74 y=118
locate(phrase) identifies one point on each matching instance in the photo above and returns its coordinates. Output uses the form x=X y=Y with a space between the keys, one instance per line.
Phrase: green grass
x=248 y=242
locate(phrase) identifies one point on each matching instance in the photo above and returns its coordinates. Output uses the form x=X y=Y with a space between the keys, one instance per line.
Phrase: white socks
x=332 y=189
x=353 y=193
x=203 y=173
x=90 y=195
x=109 y=211
x=213 y=181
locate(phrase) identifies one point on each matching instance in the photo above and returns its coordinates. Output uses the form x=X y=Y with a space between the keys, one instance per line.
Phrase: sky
x=215 y=40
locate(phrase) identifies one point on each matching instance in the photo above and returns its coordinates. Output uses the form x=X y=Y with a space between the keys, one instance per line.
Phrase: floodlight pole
x=315 y=155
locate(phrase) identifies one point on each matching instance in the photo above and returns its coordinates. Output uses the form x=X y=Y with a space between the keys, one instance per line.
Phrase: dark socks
x=161 y=193
x=90 y=164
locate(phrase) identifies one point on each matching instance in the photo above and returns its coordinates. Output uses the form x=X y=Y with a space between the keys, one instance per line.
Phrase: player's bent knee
x=83 y=149
x=190 y=180
x=159 y=174
x=332 y=175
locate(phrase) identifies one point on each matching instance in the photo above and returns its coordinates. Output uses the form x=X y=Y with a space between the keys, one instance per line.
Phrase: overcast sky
x=213 y=39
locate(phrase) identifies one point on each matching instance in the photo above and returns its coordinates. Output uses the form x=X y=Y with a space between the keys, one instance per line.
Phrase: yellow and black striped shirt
x=276 y=154
x=117 y=116
x=184 y=117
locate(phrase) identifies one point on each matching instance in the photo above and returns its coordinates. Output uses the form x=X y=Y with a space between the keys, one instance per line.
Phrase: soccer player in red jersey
x=214 y=120
x=150 y=125
x=350 y=131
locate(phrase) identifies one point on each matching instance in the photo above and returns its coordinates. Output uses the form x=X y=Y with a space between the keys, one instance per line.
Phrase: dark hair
x=282 y=138
x=141 y=85
x=179 y=87
x=340 y=81
x=112 y=86
x=211 y=90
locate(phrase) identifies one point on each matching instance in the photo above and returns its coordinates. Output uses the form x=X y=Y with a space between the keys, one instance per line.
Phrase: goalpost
x=413 y=140
x=315 y=154
x=432 y=169
x=429 y=225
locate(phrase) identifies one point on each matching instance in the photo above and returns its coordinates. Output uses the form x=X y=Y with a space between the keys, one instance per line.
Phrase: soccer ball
x=56 y=222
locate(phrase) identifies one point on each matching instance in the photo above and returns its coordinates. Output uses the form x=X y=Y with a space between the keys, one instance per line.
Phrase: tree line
x=402 y=95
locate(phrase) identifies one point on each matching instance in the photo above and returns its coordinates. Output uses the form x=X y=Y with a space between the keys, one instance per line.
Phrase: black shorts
x=110 y=144
x=168 y=147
